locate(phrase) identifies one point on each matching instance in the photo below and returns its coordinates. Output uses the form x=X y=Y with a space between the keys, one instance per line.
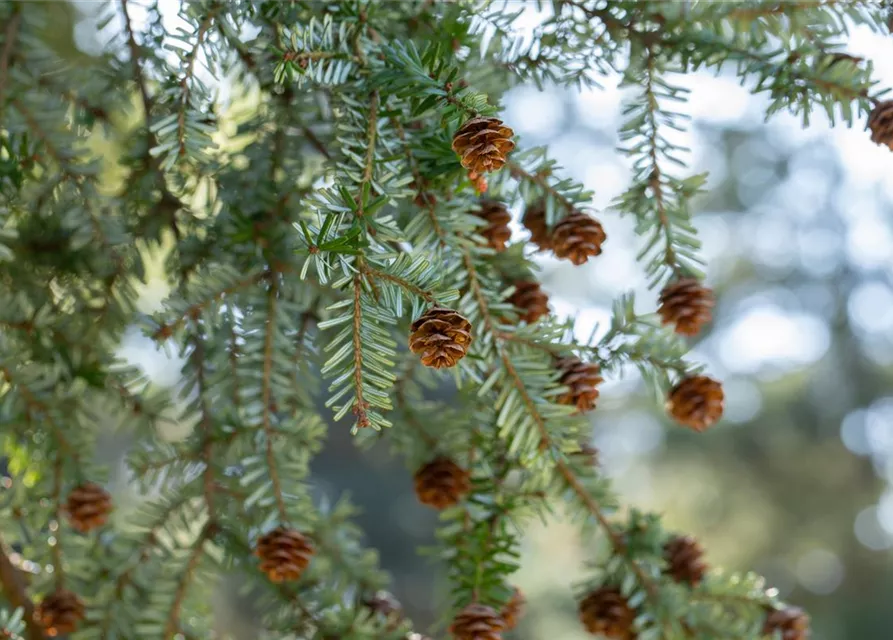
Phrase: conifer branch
x=172 y=626
x=10 y=35
x=400 y=282
x=360 y=405
x=206 y=422
x=165 y=331
x=58 y=569
x=14 y=591
x=267 y=400
x=419 y=180
x=519 y=173
x=187 y=77
x=655 y=177
x=136 y=67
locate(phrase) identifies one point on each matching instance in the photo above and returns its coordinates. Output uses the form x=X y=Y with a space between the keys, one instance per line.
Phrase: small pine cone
x=88 y=507
x=577 y=238
x=284 y=554
x=684 y=555
x=387 y=606
x=880 y=122
x=497 y=218
x=687 y=304
x=791 y=622
x=477 y=622
x=534 y=221
x=582 y=379
x=384 y=603
x=513 y=610
x=531 y=300
x=483 y=143
x=605 y=611
x=696 y=402
x=441 y=336
x=441 y=483
x=59 y=613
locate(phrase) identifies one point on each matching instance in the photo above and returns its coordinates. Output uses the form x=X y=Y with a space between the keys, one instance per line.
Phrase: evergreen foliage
x=311 y=217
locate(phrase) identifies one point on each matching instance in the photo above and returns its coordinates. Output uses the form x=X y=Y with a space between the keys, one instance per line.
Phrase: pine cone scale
x=686 y=304
x=577 y=238
x=483 y=143
x=441 y=483
x=88 y=507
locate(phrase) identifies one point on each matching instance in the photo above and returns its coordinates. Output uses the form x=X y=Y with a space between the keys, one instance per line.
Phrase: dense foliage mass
x=338 y=234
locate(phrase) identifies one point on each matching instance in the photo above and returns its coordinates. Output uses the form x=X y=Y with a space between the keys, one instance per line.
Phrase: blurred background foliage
x=794 y=483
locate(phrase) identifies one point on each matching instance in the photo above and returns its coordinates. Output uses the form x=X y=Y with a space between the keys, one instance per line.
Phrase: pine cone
x=477 y=622
x=384 y=603
x=577 y=238
x=791 y=622
x=284 y=554
x=88 y=507
x=880 y=121
x=513 y=610
x=496 y=231
x=605 y=611
x=534 y=221
x=684 y=555
x=686 y=304
x=483 y=143
x=441 y=483
x=59 y=613
x=696 y=402
x=530 y=300
x=441 y=336
x=581 y=378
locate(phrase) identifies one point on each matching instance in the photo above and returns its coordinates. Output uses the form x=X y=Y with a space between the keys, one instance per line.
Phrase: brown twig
x=14 y=590
x=165 y=331
x=12 y=31
x=206 y=422
x=187 y=76
x=172 y=627
x=360 y=405
x=267 y=399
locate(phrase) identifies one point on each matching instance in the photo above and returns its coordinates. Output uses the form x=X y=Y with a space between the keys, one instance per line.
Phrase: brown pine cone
x=791 y=622
x=530 y=299
x=59 y=613
x=534 y=221
x=441 y=483
x=577 y=238
x=686 y=304
x=441 y=336
x=696 y=402
x=284 y=554
x=496 y=230
x=581 y=378
x=88 y=507
x=386 y=605
x=605 y=611
x=483 y=143
x=383 y=602
x=513 y=609
x=684 y=555
x=880 y=122
x=477 y=622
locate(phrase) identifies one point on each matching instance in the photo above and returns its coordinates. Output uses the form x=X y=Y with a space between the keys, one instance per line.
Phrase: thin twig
x=14 y=591
x=58 y=571
x=404 y=284
x=12 y=31
x=206 y=422
x=360 y=405
x=267 y=398
x=171 y=628
x=187 y=76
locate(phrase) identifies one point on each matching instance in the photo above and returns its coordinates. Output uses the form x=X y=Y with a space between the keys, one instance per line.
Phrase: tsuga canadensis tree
x=335 y=228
